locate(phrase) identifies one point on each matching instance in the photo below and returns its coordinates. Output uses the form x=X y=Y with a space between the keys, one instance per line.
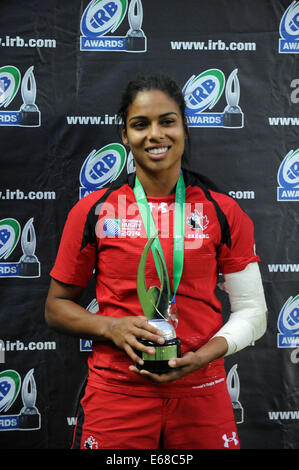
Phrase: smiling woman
x=155 y=133
x=125 y=404
x=154 y=127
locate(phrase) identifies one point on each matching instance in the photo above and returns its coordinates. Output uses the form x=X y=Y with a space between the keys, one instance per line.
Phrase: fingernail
x=151 y=351
x=161 y=340
x=172 y=362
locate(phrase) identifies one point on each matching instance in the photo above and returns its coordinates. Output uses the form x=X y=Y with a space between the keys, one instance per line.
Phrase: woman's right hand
x=64 y=314
x=125 y=331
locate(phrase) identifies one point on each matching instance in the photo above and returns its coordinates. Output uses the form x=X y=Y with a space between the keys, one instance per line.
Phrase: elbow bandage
x=248 y=320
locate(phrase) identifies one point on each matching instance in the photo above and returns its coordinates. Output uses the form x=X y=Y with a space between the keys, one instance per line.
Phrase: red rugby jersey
x=104 y=231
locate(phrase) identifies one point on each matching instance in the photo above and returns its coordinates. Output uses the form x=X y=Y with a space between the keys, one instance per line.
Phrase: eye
x=139 y=125
x=167 y=122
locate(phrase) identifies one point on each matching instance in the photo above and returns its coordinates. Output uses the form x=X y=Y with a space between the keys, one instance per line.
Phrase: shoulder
x=226 y=202
x=229 y=213
x=211 y=191
x=85 y=204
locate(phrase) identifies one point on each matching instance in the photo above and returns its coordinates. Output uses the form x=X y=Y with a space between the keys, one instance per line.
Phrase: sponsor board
x=102 y=17
x=202 y=92
x=10 y=81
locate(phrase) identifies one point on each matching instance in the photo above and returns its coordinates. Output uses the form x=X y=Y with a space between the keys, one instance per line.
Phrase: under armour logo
x=163 y=206
x=227 y=440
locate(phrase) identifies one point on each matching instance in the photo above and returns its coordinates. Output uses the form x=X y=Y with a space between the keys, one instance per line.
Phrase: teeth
x=157 y=151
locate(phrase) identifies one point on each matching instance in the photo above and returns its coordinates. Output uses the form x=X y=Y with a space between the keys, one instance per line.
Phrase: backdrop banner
x=63 y=66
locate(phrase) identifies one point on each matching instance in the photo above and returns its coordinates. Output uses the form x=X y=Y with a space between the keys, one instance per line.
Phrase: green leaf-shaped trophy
x=155 y=303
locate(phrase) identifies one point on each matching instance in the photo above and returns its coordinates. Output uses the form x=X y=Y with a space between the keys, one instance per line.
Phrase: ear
x=124 y=137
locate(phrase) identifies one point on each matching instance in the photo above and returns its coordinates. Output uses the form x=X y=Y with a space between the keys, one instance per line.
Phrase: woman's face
x=155 y=131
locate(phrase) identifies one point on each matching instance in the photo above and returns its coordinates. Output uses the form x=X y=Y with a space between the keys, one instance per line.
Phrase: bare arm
x=64 y=314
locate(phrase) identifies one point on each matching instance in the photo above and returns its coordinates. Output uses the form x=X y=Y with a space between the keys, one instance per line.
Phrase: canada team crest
x=198 y=223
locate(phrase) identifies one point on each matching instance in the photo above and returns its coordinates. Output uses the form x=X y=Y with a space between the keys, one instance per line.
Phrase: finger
x=143 y=323
x=145 y=334
x=134 y=369
x=135 y=344
x=132 y=355
x=144 y=373
x=179 y=362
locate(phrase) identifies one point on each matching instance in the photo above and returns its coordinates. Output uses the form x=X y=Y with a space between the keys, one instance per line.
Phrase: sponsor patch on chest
x=122 y=228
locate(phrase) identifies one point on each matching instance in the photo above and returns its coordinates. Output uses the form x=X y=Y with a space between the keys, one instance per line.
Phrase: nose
x=155 y=131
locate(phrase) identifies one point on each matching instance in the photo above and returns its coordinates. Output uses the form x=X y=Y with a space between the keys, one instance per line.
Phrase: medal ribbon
x=179 y=228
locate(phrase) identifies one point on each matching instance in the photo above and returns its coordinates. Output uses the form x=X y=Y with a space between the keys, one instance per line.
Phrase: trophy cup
x=233 y=386
x=135 y=39
x=29 y=265
x=29 y=113
x=155 y=303
x=232 y=116
x=29 y=417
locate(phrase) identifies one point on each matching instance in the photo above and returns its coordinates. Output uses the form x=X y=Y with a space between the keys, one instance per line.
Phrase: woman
x=124 y=405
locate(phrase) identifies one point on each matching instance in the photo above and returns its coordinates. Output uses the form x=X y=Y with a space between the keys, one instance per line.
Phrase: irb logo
x=101 y=167
x=288 y=324
x=289 y=30
x=9 y=236
x=103 y=16
x=9 y=84
x=10 y=233
x=10 y=80
x=202 y=93
x=288 y=177
x=29 y=417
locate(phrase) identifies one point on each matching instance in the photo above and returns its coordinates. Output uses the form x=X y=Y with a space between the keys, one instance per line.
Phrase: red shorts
x=108 y=420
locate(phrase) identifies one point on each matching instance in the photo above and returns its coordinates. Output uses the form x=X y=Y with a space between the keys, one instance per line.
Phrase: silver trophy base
x=135 y=44
x=29 y=418
x=233 y=117
x=29 y=266
x=170 y=349
x=29 y=115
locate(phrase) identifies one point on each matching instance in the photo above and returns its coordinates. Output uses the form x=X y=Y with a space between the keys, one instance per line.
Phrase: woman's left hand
x=191 y=361
x=179 y=367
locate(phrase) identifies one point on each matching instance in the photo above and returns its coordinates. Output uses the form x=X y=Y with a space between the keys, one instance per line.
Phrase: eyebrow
x=145 y=117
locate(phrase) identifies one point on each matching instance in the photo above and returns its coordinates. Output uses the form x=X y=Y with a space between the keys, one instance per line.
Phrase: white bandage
x=248 y=320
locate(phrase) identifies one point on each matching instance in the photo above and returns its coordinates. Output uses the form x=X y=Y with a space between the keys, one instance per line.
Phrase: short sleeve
x=241 y=251
x=75 y=260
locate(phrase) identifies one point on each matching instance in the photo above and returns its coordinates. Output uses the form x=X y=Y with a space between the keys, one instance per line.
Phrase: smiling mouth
x=157 y=151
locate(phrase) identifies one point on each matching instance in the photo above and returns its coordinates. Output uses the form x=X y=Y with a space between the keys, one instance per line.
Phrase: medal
x=173 y=314
x=157 y=303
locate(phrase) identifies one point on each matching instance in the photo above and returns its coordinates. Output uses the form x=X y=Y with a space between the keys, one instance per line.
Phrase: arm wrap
x=248 y=320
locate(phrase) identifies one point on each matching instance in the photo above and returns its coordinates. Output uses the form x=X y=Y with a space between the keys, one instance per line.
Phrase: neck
x=158 y=184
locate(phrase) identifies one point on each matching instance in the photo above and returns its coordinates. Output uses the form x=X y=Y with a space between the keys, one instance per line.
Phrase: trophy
x=29 y=265
x=135 y=39
x=155 y=303
x=233 y=386
x=29 y=112
x=232 y=116
x=29 y=417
